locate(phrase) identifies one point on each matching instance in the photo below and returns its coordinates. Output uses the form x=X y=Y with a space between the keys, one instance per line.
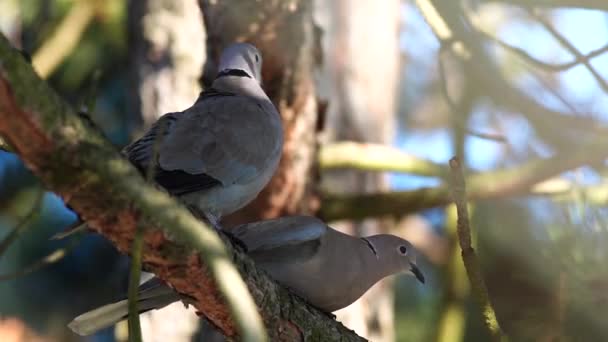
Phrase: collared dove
x=217 y=155
x=327 y=268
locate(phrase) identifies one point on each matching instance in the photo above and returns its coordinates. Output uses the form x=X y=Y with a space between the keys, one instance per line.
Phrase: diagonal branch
x=65 y=38
x=51 y=258
x=23 y=224
x=74 y=160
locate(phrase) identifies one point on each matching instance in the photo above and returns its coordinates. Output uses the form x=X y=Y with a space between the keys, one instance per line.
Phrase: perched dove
x=217 y=155
x=325 y=267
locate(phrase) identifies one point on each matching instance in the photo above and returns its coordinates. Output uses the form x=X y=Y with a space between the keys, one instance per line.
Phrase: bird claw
x=329 y=314
x=213 y=221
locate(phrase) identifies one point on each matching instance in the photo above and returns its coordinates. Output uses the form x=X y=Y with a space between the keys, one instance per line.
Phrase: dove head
x=396 y=255
x=241 y=59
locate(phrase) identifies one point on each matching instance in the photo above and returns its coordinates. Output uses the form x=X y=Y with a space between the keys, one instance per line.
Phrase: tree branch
x=566 y=44
x=519 y=180
x=469 y=257
x=23 y=223
x=376 y=157
x=49 y=259
x=454 y=29
x=74 y=160
x=554 y=67
x=56 y=48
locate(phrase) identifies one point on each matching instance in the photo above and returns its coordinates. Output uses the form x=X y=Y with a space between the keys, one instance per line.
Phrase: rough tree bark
x=362 y=59
x=74 y=160
x=168 y=50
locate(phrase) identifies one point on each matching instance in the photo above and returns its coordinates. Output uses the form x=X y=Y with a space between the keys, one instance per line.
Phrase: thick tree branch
x=520 y=180
x=75 y=161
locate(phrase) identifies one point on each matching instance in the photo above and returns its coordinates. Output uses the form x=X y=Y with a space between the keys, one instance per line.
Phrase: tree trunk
x=168 y=51
x=362 y=60
x=167 y=38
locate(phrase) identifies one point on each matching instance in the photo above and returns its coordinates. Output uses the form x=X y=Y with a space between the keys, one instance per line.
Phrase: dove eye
x=257 y=58
x=403 y=250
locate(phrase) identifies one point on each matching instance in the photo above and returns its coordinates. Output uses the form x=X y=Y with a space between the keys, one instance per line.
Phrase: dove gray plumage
x=217 y=155
x=327 y=268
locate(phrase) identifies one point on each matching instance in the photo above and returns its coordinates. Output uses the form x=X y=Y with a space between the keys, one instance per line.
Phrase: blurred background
x=376 y=96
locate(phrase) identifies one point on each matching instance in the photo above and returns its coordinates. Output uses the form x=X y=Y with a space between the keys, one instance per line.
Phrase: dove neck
x=233 y=72
x=239 y=85
x=380 y=261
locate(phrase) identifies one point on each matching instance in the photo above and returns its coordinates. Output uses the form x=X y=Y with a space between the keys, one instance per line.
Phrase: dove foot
x=213 y=221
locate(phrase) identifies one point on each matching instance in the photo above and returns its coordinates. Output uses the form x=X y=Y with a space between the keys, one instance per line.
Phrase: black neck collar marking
x=233 y=72
x=371 y=246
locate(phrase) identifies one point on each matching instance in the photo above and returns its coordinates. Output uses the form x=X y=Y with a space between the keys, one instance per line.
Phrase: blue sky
x=587 y=30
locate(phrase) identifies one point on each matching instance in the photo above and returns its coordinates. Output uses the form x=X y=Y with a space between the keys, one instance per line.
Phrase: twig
x=556 y=93
x=51 y=258
x=557 y=67
x=134 y=275
x=90 y=99
x=571 y=48
x=449 y=23
x=23 y=224
x=455 y=288
x=75 y=228
x=471 y=263
x=452 y=106
x=137 y=248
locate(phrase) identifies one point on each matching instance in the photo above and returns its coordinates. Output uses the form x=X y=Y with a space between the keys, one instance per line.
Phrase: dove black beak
x=416 y=271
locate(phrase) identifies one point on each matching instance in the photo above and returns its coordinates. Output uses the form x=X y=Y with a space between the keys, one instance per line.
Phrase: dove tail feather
x=91 y=322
